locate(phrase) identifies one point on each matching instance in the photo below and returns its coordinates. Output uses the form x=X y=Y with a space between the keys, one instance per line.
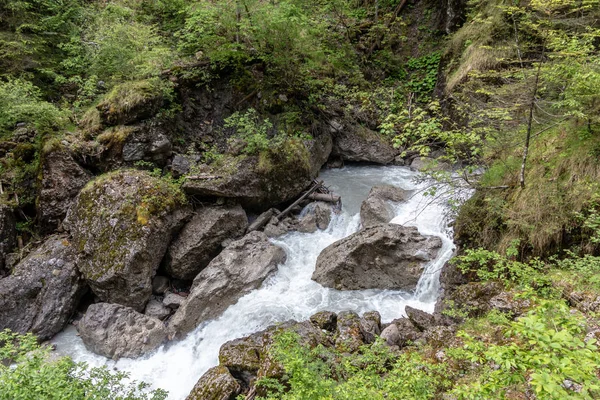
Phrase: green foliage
x=21 y=102
x=35 y=374
x=488 y=265
x=421 y=130
x=251 y=130
x=544 y=350
x=372 y=373
x=424 y=74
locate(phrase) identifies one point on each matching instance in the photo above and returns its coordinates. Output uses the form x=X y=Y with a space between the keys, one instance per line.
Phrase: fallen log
x=329 y=197
x=294 y=204
x=202 y=177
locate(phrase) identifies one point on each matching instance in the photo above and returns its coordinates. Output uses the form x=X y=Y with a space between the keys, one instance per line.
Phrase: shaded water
x=290 y=293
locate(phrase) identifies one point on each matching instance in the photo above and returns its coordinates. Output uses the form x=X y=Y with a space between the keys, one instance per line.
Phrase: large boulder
x=130 y=102
x=200 y=240
x=8 y=233
x=216 y=384
x=358 y=143
x=115 y=331
x=385 y=256
x=121 y=224
x=376 y=209
x=240 y=268
x=259 y=182
x=43 y=291
x=61 y=180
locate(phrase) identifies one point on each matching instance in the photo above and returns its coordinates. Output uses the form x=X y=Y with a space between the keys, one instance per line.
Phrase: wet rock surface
x=376 y=209
x=116 y=331
x=381 y=257
x=239 y=268
x=315 y=216
x=200 y=239
x=43 y=291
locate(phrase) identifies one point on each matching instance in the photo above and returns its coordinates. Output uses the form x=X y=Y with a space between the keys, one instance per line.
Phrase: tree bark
x=529 y=123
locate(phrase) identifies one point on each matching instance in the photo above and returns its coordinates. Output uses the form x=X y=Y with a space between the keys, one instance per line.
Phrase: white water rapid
x=290 y=293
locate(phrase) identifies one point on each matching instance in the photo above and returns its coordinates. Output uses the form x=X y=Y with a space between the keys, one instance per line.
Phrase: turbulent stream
x=290 y=293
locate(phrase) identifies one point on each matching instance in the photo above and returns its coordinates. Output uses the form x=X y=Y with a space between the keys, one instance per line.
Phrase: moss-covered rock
x=267 y=179
x=130 y=102
x=121 y=224
x=216 y=384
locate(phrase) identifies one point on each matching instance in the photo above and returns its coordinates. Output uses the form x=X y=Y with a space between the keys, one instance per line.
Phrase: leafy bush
x=545 y=350
x=250 y=129
x=37 y=375
x=21 y=102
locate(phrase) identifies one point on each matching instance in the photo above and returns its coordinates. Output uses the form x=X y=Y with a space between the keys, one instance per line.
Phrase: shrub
x=36 y=375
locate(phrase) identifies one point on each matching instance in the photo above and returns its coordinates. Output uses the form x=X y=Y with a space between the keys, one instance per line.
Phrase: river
x=290 y=293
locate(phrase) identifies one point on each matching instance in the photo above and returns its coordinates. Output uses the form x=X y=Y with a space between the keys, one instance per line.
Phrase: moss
x=131 y=209
x=131 y=101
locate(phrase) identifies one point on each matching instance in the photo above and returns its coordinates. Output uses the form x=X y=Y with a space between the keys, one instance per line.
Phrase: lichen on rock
x=121 y=224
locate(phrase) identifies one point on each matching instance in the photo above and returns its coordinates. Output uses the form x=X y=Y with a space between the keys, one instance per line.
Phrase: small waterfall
x=290 y=293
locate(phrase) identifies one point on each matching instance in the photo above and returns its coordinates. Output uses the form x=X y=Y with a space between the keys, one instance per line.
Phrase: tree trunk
x=530 y=122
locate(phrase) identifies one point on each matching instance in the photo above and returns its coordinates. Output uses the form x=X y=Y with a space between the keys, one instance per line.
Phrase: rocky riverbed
x=288 y=293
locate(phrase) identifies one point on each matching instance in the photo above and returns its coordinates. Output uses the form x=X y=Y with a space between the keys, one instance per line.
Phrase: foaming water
x=290 y=293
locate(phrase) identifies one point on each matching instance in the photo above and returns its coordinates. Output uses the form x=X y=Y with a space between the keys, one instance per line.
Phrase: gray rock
x=471 y=299
x=260 y=185
x=160 y=284
x=391 y=335
x=62 y=179
x=173 y=300
x=420 y=319
x=428 y=163
x=180 y=165
x=240 y=268
x=362 y=144
x=275 y=230
x=8 y=233
x=326 y=320
x=216 y=384
x=200 y=239
x=115 y=331
x=376 y=209
x=121 y=224
x=381 y=257
x=148 y=144
x=440 y=336
x=43 y=291
x=370 y=326
x=316 y=215
x=400 y=333
x=349 y=335
x=262 y=219
x=249 y=357
x=157 y=309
